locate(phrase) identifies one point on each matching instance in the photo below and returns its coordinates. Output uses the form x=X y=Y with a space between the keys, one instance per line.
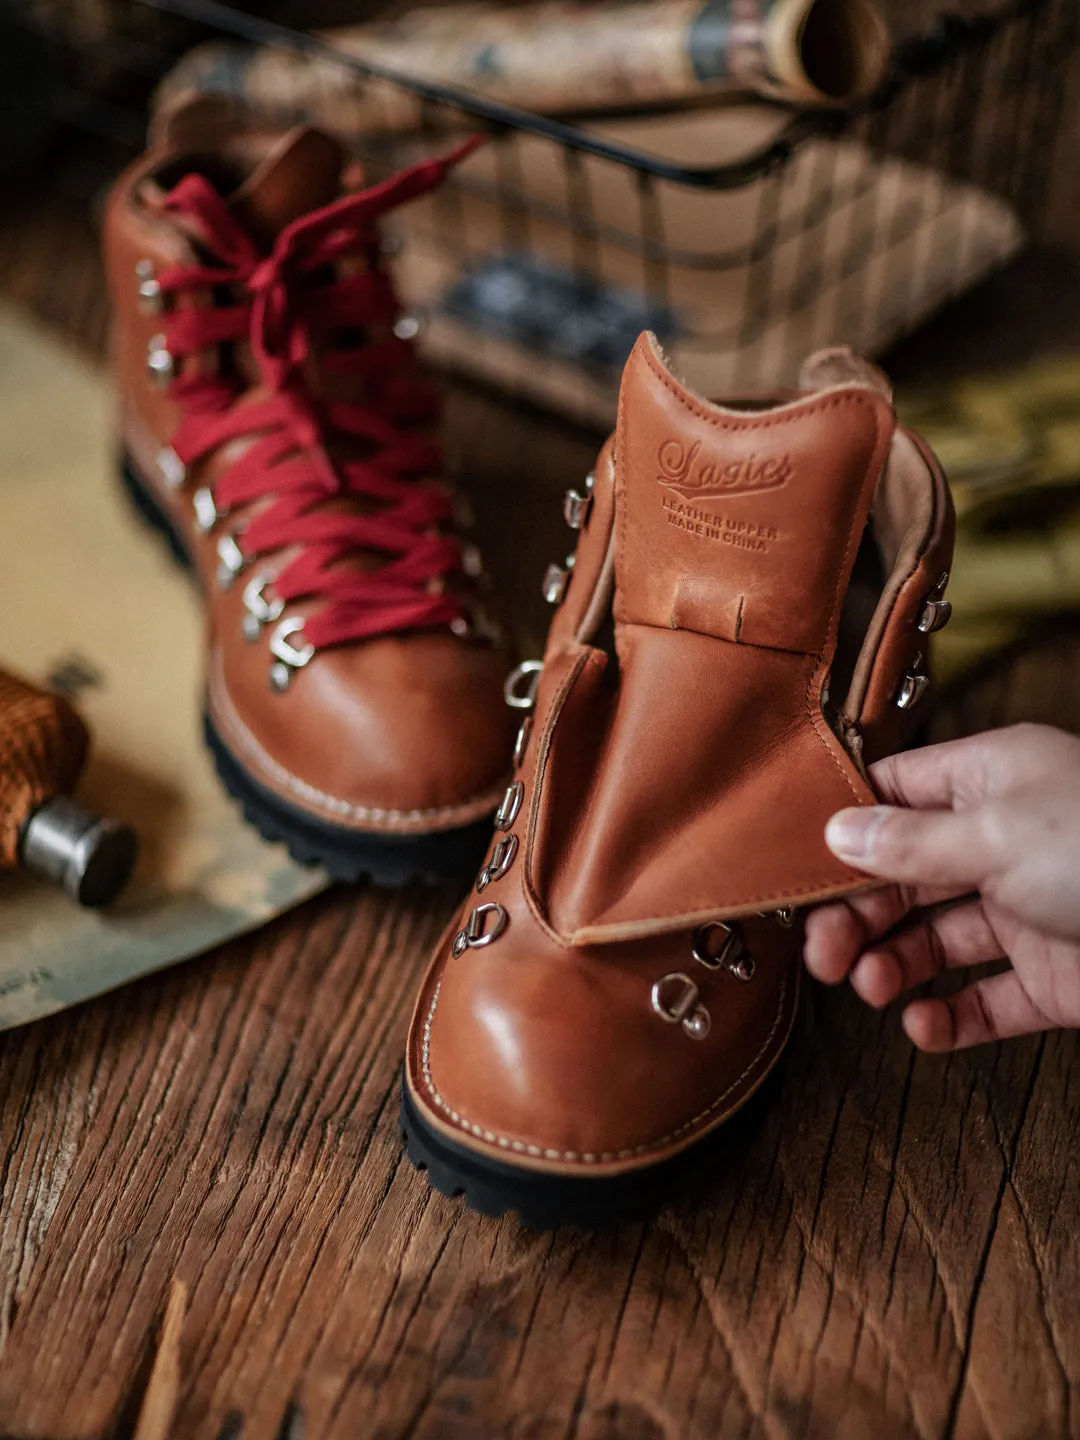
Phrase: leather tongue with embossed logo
x=713 y=769
x=742 y=525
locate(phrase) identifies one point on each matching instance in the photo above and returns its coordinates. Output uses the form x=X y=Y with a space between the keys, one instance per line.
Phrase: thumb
x=927 y=847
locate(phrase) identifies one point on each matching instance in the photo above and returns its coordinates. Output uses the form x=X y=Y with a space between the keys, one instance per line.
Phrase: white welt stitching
x=336 y=806
x=505 y=1143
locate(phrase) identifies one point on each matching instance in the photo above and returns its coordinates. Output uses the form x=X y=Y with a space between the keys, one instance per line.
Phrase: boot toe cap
x=412 y=733
x=567 y=1061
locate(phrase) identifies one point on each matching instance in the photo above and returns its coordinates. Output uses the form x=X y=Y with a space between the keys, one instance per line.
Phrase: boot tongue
x=300 y=174
x=742 y=525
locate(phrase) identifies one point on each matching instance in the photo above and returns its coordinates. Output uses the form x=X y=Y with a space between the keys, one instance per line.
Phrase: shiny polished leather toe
x=397 y=748
x=583 y=1067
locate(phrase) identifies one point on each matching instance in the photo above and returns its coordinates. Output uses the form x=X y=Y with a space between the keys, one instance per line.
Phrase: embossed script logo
x=681 y=470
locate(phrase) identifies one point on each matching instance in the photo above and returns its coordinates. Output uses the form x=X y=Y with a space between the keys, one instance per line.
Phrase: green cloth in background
x=1010 y=445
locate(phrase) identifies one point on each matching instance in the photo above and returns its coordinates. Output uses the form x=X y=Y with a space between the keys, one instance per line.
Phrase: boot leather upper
x=404 y=732
x=684 y=776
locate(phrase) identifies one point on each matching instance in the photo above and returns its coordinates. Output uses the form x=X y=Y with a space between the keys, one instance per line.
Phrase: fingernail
x=851 y=834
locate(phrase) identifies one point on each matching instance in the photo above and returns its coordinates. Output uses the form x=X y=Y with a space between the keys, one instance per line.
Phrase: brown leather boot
x=626 y=971
x=277 y=426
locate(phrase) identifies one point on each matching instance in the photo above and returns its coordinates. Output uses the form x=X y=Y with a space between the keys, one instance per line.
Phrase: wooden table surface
x=887 y=1247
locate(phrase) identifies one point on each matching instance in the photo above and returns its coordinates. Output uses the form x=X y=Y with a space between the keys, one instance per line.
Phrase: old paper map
x=90 y=599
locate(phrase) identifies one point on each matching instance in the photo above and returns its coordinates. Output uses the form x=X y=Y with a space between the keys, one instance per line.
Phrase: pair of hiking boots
x=741 y=631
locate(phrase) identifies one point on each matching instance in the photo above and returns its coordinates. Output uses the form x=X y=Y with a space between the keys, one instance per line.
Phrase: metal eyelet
x=472 y=562
x=207 y=514
x=913 y=691
x=528 y=670
x=149 y=290
x=173 y=470
x=937 y=612
x=260 y=611
x=935 y=616
x=502 y=857
x=785 y=916
x=160 y=364
x=231 y=560
x=743 y=968
x=510 y=807
x=476 y=935
x=681 y=1008
x=521 y=744
x=576 y=508
x=409 y=325
x=556 y=581
x=288 y=657
x=462 y=626
x=732 y=956
x=914 y=687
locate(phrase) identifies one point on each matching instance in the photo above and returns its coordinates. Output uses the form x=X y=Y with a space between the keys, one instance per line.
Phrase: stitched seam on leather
x=574 y=1156
x=801 y=891
x=807 y=892
x=900 y=609
x=605 y=576
x=618 y=460
x=848 y=714
x=930 y=548
x=532 y=899
x=754 y=420
x=605 y=580
x=308 y=792
x=814 y=711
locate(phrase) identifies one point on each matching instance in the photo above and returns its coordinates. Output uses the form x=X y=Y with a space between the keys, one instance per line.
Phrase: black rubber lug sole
x=346 y=855
x=544 y=1201
x=153 y=514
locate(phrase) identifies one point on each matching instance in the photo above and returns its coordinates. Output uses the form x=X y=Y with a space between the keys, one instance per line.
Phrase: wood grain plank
x=860 y=1230
x=49 y=1091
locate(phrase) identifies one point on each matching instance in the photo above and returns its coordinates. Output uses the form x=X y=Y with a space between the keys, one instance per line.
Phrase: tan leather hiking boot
x=626 y=971
x=277 y=425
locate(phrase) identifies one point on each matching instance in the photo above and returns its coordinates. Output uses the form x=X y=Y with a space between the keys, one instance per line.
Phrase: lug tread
x=347 y=856
x=544 y=1202
x=350 y=856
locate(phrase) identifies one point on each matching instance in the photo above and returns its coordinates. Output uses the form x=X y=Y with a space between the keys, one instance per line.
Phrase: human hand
x=984 y=856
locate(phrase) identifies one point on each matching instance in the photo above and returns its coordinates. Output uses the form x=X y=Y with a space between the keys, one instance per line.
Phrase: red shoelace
x=291 y=304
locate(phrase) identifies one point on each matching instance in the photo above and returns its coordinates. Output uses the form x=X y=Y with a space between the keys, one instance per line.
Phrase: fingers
x=993 y=1009
x=933 y=777
x=964 y=772
x=942 y=940
x=837 y=934
x=918 y=847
